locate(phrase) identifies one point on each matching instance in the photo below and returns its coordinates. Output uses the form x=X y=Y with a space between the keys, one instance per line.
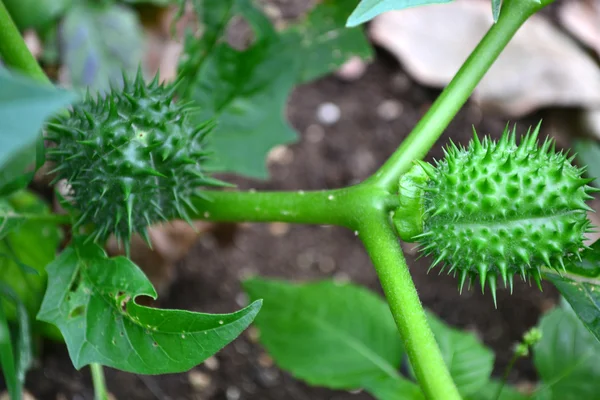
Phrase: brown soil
x=325 y=157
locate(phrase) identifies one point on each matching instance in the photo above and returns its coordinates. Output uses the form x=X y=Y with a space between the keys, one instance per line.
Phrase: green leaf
x=566 y=358
x=24 y=106
x=18 y=171
x=155 y=2
x=247 y=91
x=584 y=297
x=325 y=42
x=335 y=335
x=22 y=343
x=369 y=9
x=100 y=42
x=490 y=392
x=496 y=6
x=9 y=219
x=36 y=14
x=589 y=266
x=394 y=388
x=588 y=152
x=25 y=249
x=470 y=363
x=7 y=358
x=23 y=354
x=580 y=286
x=215 y=16
x=91 y=299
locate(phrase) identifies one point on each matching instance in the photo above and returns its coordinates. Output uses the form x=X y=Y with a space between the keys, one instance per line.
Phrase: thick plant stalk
x=426 y=359
x=341 y=207
x=14 y=51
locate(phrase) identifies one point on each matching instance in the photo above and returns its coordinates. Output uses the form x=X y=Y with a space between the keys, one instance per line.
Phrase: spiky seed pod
x=131 y=158
x=496 y=209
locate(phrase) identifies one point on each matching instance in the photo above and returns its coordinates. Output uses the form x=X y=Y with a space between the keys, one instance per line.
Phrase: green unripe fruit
x=131 y=158
x=496 y=209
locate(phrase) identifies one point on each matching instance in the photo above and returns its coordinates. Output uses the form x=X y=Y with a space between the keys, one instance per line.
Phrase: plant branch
x=342 y=207
x=513 y=14
x=364 y=209
x=14 y=51
x=58 y=219
x=509 y=368
x=424 y=354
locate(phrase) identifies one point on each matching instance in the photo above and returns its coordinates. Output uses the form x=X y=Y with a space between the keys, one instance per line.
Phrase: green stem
x=342 y=207
x=364 y=209
x=14 y=51
x=513 y=14
x=425 y=357
x=509 y=368
x=100 y=392
x=53 y=218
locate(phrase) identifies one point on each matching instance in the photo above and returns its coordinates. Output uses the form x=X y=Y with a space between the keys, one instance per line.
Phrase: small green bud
x=521 y=350
x=530 y=339
x=532 y=336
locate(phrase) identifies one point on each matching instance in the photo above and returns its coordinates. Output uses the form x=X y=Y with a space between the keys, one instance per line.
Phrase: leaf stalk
x=100 y=391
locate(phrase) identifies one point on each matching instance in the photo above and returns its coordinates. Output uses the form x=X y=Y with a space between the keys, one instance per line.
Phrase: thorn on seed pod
x=497 y=209
x=132 y=158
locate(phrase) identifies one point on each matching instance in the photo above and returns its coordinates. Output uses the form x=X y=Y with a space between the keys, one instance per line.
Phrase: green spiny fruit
x=496 y=209
x=131 y=158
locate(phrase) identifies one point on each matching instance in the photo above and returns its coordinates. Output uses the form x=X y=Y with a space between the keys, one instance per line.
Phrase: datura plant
x=143 y=152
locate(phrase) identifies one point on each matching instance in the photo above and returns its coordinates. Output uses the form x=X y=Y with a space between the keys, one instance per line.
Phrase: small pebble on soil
x=328 y=113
